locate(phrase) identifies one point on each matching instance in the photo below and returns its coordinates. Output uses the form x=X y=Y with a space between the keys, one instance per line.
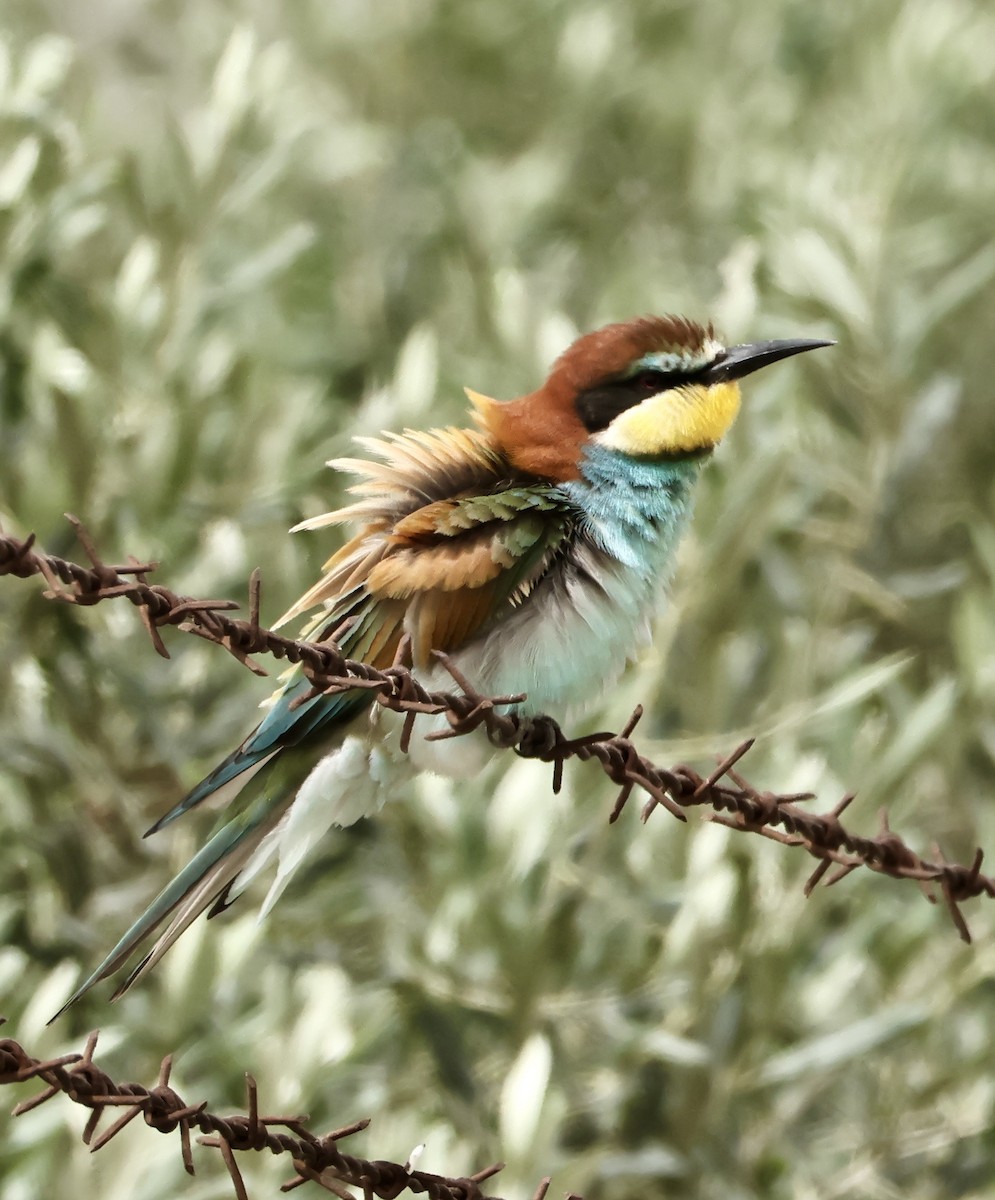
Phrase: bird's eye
x=649 y=381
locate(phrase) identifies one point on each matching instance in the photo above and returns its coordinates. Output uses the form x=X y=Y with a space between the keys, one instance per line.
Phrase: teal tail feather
x=287 y=724
x=204 y=882
x=236 y=764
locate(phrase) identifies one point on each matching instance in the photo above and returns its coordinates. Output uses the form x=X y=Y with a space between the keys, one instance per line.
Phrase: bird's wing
x=428 y=563
x=456 y=566
x=439 y=574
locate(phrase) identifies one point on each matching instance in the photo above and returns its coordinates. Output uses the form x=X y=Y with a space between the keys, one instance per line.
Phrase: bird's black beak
x=738 y=361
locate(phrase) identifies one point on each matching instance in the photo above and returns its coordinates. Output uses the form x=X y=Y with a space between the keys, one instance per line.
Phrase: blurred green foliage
x=234 y=233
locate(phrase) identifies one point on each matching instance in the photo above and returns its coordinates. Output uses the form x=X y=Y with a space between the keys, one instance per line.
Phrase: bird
x=532 y=548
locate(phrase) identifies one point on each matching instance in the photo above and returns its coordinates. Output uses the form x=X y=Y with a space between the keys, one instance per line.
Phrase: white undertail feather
x=348 y=784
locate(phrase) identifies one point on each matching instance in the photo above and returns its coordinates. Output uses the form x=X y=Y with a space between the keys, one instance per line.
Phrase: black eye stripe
x=599 y=406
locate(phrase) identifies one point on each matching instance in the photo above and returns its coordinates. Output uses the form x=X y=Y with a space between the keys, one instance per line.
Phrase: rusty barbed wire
x=315 y=1159
x=734 y=801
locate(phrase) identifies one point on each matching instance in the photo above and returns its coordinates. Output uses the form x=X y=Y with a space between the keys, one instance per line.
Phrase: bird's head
x=650 y=388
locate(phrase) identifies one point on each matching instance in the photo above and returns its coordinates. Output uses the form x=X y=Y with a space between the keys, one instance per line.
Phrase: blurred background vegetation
x=234 y=233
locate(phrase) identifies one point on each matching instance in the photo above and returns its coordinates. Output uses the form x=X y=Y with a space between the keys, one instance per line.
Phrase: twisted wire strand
x=316 y=1159
x=733 y=800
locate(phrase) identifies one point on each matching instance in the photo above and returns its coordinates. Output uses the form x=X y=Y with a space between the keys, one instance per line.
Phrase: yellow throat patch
x=680 y=421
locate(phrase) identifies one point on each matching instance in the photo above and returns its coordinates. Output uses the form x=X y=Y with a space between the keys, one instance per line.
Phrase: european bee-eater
x=532 y=549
